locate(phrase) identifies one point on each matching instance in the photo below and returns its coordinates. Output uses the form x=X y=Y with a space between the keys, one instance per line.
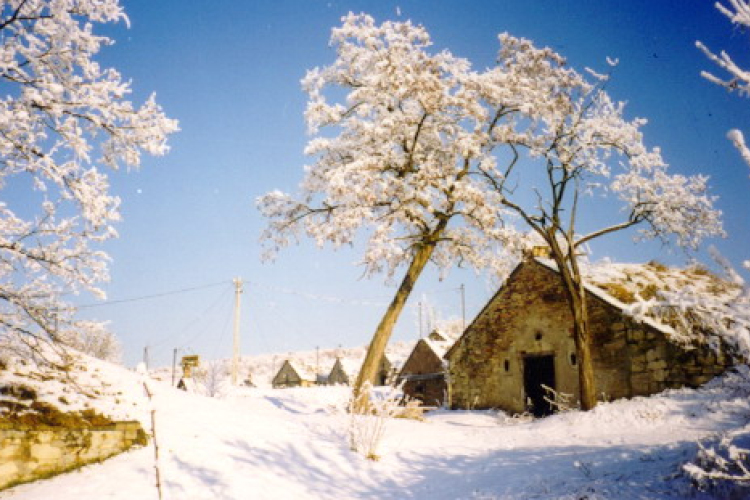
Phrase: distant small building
x=292 y=374
x=424 y=372
x=338 y=375
x=187 y=382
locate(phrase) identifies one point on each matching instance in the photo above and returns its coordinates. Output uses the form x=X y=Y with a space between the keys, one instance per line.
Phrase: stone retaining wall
x=27 y=454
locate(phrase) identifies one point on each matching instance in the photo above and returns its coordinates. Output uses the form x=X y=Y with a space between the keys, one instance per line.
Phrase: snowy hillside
x=263 y=443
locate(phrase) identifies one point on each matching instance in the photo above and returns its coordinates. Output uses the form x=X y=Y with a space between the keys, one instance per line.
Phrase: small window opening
x=538 y=335
x=507 y=365
x=573 y=359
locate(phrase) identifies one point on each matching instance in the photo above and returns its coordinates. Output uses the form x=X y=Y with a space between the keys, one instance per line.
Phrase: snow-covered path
x=279 y=444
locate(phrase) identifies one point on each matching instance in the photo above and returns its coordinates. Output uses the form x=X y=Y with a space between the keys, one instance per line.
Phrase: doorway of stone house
x=538 y=371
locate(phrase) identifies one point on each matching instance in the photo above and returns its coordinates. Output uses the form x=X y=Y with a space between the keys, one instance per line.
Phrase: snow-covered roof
x=305 y=372
x=598 y=286
x=350 y=366
x=439 y=347
x=633 y=288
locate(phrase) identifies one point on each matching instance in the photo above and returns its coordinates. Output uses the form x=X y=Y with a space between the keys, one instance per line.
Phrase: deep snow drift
x=292 y=443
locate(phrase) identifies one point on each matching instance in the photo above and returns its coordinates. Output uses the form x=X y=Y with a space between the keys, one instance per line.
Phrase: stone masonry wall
x=27 y=454
x=530 y=317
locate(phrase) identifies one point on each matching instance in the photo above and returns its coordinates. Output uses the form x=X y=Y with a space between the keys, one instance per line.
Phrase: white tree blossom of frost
x=421 y=154
x=738 y=78
x=63 y=121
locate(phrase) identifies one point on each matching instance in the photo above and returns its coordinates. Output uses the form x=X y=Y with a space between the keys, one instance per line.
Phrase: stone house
x=523 y=340
x=292 y=374
x=423 y=373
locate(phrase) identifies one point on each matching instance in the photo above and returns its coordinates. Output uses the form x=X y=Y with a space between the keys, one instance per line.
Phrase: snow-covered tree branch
x=62 y=118
x=738 y=13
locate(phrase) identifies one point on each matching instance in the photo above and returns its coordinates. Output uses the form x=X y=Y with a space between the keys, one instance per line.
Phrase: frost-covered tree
x=93 y=339
x=588 y=152
x=212 y=377
x=738 y=78
x=424 y=155
x=64 y=120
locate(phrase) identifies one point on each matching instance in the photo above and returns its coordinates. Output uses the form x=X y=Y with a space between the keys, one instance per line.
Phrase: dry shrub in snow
x=366 y=429
x=560 y=401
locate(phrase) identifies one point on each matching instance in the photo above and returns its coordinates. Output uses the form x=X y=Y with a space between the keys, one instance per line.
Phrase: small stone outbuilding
x=424 y=373
x=523 y=340
x=338 y=375
x=345 y=371
x=292 y=374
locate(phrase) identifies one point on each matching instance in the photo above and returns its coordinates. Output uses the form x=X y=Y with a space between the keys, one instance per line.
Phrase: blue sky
x=230 y=72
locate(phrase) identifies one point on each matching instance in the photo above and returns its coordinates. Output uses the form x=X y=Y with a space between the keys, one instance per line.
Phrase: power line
x=195 y=323
x=380 y=301
x=153 y=296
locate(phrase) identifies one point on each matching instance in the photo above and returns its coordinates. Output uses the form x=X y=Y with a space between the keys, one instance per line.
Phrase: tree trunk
x=582 y=337
x=576 y=292
x=377 y=347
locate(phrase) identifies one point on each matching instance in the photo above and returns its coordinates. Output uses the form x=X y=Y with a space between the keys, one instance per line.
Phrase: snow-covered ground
x=291 y=443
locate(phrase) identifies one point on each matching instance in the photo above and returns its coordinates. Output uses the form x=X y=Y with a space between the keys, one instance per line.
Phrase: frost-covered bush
x=723 y=467
x=211 y=379
x=94 y=340
x=561 y=401
x=367 y=428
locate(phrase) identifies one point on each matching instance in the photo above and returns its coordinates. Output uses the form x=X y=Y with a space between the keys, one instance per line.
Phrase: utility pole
x=174 y=362
x=236 y=343
x=420 y=319
x=145 y=356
